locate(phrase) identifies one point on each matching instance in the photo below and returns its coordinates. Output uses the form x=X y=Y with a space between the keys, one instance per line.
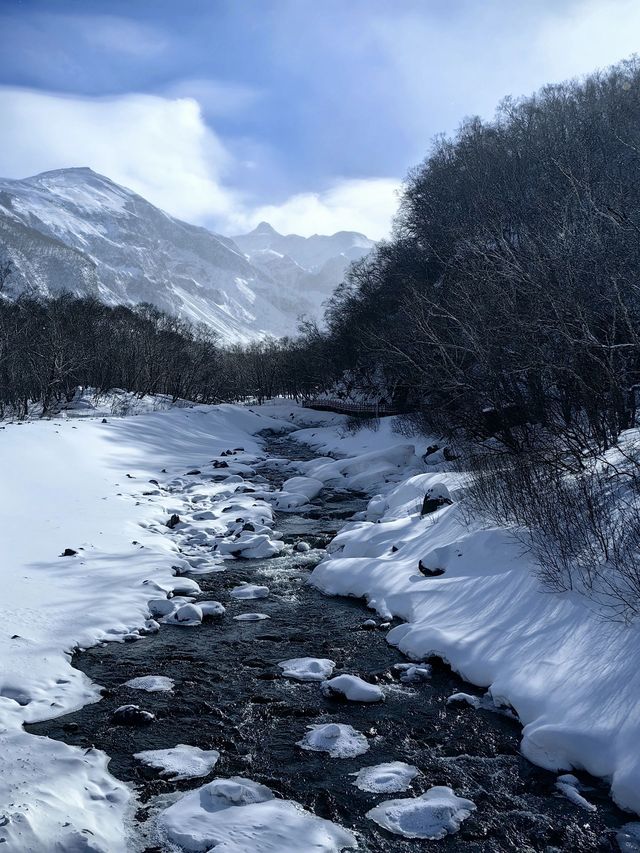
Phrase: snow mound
x=249 y=591
x=433 y=815
x=338 y=739
x=307 y=669
x=240 y=816
x=352 y=688
x=181 y=761
x=251 y=617
x=211 y=608
x=150 y=683
x=388 y=778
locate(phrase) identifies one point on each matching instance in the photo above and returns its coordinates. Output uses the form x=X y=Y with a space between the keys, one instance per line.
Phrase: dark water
x=230 y=696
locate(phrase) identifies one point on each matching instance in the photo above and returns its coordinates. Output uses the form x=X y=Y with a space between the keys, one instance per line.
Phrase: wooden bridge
x=344 y=407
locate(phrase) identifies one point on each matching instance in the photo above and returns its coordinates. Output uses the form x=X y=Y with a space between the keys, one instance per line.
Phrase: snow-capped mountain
x=75 y=230
x=313 y=265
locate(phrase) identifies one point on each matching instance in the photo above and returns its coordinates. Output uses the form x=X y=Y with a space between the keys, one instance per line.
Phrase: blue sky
x=305 y=112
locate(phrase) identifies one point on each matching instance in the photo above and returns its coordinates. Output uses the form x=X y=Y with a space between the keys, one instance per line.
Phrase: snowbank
x=84 y=485
x=572 y=678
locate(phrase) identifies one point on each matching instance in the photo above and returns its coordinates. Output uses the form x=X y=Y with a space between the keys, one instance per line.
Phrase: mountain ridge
x=74 y=229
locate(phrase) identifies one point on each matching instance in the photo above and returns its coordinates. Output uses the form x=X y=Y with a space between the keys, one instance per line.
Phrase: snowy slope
x=313 y=265
x=72 y=229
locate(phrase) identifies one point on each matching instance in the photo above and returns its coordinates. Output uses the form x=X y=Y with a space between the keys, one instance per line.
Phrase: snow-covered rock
x=388 y=778
x=338 y=739
x=570 y=786
x=211 y=608
x=251 y=617
x=187 y=615
x=438 y=812
x=249 y=591
x=151 y=683
x=181 y=761
x=240 y=816
x=413 y=672
x=353 y=688
x=307 y=669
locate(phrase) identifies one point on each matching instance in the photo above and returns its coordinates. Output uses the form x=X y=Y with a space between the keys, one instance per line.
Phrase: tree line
x=51 y=346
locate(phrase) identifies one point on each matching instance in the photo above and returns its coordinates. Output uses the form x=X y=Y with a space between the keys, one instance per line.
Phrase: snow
x=249 y=592
x=413 y=672
x=238 y=815
x=113 y=243
x=251 y=617
x=338 y=739
x=353 y=688
x=435 y=814
x=151 y=683
x=70 y=489
x=570 y=676
x=181 y=761
x=307 y=669
x=464 y=699
x=388 y=778
x=568 y=785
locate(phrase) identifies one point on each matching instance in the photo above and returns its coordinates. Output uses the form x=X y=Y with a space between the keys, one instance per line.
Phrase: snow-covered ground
x=100 y=489
x=572 y=677
x=81 y=485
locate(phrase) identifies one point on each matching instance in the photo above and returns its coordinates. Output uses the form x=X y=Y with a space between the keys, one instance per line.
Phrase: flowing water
x=230 y=696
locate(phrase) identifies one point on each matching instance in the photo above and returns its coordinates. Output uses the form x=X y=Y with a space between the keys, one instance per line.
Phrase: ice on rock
x=211 y=608
x=307 y=669
x=302 y=547
x=338 y=739
x=240 y=816
x=181 y=761
x=151 y=683
x=464 y=699
x=251 y=617
x=184 y=586
x=259 y=546
x=352 y=688
x=570 y=786
x=414 y=672
x=388 y=778
x=187 y=615
x=249 y=591
x=435 y=814
x=161 y=606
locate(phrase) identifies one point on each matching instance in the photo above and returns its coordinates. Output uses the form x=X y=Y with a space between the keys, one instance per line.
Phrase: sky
x=304 y=113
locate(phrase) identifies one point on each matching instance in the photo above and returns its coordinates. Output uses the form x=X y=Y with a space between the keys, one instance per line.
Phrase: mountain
x=75 y=230
x=312 y=265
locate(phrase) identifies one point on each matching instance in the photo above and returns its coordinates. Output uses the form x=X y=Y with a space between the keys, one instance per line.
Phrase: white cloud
x=591 y=34
x=162 y=149
x=365 y=205
x=158 y=147
x=214 y=97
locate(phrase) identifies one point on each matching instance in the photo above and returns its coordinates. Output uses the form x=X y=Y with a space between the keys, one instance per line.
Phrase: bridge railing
x=346 y=407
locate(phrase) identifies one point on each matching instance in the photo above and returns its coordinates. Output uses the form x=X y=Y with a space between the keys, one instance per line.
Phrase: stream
x=230 y=696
